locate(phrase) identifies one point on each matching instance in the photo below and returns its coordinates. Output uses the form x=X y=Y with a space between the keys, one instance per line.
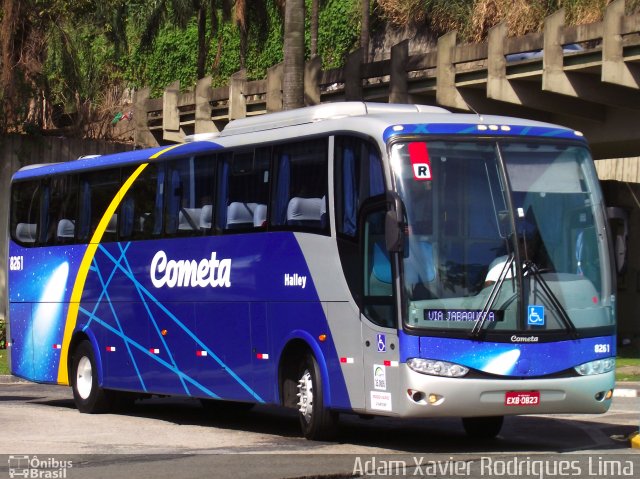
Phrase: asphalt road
x=168 y=437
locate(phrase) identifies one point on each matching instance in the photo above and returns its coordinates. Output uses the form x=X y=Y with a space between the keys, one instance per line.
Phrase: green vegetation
x=628 y=369
x=68 y=64
x=4 y=362
x=628 y=364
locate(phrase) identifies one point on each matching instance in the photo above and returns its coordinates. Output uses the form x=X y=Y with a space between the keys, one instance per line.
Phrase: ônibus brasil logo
x=184 y=273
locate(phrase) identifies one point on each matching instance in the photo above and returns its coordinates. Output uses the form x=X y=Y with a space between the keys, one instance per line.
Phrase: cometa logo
x=205 y=273
x=524 y=339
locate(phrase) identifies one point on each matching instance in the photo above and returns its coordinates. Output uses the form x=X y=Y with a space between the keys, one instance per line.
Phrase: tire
x=483 y=427
x=89 y=397
x=316 y=421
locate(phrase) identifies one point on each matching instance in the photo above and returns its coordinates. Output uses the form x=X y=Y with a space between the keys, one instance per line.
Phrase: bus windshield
x=504 y=236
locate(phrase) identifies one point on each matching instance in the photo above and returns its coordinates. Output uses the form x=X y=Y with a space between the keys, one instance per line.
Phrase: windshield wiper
x=553 y=299
x=491 y=299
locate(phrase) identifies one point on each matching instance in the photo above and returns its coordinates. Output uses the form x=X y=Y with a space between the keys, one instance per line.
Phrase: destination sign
x=459 y=315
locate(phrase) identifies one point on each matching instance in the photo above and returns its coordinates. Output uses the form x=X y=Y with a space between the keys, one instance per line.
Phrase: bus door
x=378 y=315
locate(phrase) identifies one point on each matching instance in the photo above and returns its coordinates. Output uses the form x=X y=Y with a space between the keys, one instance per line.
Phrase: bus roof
x=378 y=120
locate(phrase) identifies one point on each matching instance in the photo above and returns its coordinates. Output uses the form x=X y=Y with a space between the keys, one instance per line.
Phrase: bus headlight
x=599 y=366
x=437 y=368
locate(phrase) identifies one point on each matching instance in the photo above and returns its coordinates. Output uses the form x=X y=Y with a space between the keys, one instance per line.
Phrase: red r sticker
x=420 y=161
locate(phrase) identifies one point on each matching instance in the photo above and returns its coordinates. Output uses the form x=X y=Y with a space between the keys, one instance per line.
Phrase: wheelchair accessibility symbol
x=535 y=315
x=382 y=343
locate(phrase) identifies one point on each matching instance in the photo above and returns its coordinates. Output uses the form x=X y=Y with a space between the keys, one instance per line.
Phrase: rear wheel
x=87 y=393
x=483 y=427
x=317 y=422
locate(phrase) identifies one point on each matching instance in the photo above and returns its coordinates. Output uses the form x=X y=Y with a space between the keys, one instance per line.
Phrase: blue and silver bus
x=376 y=259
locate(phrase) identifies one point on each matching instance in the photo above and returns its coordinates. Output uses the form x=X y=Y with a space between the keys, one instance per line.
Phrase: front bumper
x=486 y=397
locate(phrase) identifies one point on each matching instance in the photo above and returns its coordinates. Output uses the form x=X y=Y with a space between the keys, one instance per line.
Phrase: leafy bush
x=3 y=334
x=338 y=31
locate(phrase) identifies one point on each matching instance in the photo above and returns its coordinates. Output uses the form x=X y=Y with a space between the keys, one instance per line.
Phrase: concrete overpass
x=586 y=77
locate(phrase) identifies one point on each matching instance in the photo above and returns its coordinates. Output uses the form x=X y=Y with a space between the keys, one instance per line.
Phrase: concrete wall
x=17 y=151
x=627 y=195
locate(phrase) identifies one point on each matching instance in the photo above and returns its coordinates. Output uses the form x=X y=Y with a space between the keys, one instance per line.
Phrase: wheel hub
x=84 y=377
x=305 y=396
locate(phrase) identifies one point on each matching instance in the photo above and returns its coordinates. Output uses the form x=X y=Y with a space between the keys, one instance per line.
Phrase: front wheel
x=88 y=395
x=483 y=427
x=317 y=422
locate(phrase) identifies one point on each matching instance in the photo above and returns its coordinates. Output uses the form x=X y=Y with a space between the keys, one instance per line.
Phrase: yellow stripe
x=83 y=270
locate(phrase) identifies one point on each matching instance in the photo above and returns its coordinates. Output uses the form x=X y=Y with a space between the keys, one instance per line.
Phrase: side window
x=25 y=210
x=97 y=190
x=378 y=304
x=243 y=190
x=189 y=196
x=140 y=217
x=63 y=209
x=300 y=199
x=358 y=176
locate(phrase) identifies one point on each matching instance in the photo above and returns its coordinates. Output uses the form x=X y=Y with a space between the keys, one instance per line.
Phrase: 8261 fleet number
x=16 y=263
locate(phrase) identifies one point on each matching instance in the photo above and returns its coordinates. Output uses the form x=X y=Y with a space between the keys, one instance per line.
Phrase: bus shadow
x=63 y=403
x=19 y=398
x=189 y=412
x=434 y=435
x=446 y=435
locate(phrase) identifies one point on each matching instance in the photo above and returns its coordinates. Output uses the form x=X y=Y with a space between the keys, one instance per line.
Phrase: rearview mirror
x=394 y=226
x=619 y=225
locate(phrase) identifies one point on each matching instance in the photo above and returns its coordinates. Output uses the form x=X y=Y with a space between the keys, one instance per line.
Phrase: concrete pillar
x=142 y=136
x=203 y=124
x=171 y=114
x=614 y=68
x=498 y=86
x=398 y=82
x=237 y=100
x=353 y=76
x=312 y=71
x=447 y=94
x=274 y=88
x=553 y=76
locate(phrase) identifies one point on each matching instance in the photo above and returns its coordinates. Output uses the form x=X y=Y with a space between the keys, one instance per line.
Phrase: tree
x=364 y=30
x=241 y=21
x=293 y=75
x=23 y=40
x=10 y=20
x=180 y=12
x=314 y=26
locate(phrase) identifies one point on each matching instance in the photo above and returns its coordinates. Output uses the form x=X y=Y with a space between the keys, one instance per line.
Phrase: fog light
x=416 y=396
x=599 y=396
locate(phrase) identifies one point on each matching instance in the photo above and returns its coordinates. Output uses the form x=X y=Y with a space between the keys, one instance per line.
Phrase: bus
x=363 y=258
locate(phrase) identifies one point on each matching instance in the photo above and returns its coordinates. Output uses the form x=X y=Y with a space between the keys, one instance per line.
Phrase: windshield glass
x=466 y=216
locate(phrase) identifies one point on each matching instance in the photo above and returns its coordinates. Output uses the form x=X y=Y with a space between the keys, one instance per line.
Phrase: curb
x=9 y=379
x=627 y=389
x=625 y=393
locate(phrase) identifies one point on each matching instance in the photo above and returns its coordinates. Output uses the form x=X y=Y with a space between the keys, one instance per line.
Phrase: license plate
x=522 y=398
